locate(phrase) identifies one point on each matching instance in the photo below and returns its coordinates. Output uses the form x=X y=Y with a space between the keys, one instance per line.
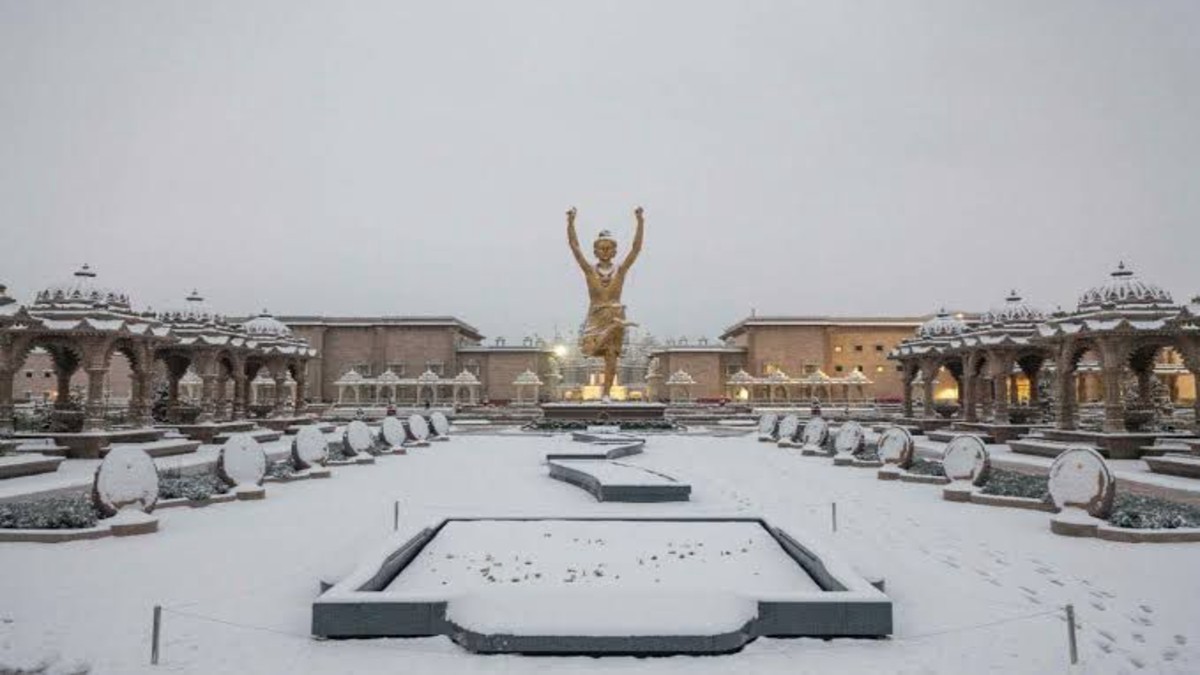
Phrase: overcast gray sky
x=416 y=158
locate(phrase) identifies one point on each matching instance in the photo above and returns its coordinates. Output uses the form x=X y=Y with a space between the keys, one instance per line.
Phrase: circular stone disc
x=816 y=432
x=1080 y=477
x=849 y=439
x=966 y=458
x=358 y=437
x=418 y=427
x=242 y=461
x=310 y=448
x=767 y=424
x=441 y=425
x=896 y=447
x=788 y=427
x=127 y=478
x=393 y=431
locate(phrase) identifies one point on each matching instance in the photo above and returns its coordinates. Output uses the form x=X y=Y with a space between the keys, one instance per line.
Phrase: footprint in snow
x=1098 y=605
x=1106 y=635
x=1105 y=647
x=1180 y=640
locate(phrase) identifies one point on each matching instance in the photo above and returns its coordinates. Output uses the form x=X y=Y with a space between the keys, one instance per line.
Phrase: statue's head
x=605 y=247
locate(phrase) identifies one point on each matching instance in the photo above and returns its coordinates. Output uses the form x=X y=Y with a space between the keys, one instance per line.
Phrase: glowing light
x=561 y=351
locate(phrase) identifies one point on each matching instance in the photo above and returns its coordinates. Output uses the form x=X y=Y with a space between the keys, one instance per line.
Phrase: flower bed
x=75 y=512
x=1137 y=512
x=1004 y=483
x=925 y=467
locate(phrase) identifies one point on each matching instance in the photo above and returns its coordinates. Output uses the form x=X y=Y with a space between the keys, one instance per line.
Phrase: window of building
x=858 y=368
x=837 y=349
x=397 y=368
x=837 y=369
x=878 y=348
x=809 y=370
x=472 y=367
x=732 y=369
x=46 y=374
x=29 y=373
x=770 y=368
x=363 y=369
x=899 y=369
x=879 y=369
x=858 y=348
x=437 y=367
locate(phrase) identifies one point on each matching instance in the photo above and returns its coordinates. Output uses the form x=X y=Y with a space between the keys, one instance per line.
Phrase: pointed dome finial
x=85 y=271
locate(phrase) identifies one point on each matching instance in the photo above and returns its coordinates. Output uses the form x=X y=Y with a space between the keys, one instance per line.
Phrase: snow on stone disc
x=358 y=437
x=310 y=447
x=441 y=425
x=766 y=424
x=1080 y=477
x=418 y=427
x=126 y=478
x=393 y=431
x=896 y=447
x=788 y=427
x=849 y=439
x=816 y=431
x=966 y=458
x=242 y=461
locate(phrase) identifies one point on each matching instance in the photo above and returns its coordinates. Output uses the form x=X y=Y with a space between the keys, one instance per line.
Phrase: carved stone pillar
x=301 y=382
x=908 y=394
x=1034 y=376
x=139 y=398
x=6 y=403
x=1000 y=366
x=1113 y=355
x=62 y=388
x=222 y=398
x=240 y=391
x=277 y=409
x=94 y=410
x=1191 y=360
x=208 y=402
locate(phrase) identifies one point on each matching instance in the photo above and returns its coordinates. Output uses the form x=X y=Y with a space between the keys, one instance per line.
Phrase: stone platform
x=999 y=433
x=90 y=444
x=281 y=424
x=603 y=413
x=609 y=481
x=1050 y=442
x=206 y=432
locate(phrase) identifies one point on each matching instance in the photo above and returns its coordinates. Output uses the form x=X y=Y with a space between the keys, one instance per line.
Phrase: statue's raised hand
x=638 y=212
x=571 y=214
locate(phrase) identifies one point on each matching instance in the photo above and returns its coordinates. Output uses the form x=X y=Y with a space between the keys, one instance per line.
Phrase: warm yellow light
x=743 y=394
x=560 y=351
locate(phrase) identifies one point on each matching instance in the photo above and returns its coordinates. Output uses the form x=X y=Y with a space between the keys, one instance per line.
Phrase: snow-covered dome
x=266 y=325
x=942 y=325
x=741 y=377
x=466 y=377
x=81 y=291
x=1014 y=310
x=1123 y=289
x=429 y=377
x=194 y=311
x=681 y=378
x=528 y=378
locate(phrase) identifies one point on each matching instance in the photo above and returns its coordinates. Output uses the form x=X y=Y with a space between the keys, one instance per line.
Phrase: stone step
x=28 y=465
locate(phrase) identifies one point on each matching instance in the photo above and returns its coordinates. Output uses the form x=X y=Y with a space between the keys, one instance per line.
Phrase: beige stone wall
x=35 y=380
x=789 y=348
x=868 y=347
x=499 y=368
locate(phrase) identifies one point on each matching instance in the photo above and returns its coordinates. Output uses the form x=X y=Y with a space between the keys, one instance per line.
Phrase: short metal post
x=833 y=515
x=157 y=632
x=1071 y=634
x=396 y=516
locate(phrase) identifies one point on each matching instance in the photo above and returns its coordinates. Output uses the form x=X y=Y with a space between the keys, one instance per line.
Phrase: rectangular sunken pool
x=602 y=586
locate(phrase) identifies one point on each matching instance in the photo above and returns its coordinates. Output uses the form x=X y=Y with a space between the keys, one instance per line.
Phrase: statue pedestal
x=602 y=413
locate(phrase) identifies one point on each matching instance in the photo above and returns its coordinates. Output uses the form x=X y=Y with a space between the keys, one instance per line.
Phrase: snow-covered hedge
x=56 y=513
x=1013 y=484
x=283 y=468
x=925 y=467
x=582 y=425
x=1148 y=513
x=195 y=487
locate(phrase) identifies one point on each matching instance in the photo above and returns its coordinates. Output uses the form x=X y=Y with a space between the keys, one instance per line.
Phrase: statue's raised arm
x=573 y=240
x=637 y=240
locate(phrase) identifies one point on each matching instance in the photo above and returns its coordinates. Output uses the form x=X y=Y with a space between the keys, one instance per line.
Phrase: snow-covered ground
x=976 y=588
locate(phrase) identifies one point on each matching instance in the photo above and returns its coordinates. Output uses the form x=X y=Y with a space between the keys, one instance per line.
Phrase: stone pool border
x=354 y=608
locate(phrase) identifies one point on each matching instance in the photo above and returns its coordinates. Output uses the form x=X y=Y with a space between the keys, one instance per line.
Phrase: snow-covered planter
x=849 y=442
x=1083 y=489
x=788 y=428
x=310 y=451
x=966 y=463
x=394 y=434
x=767 y=426
x=195 y=490
x=815 y=437
x=418 y=430
x=441 y=426
x=895 y=450
x=924 y=471
x=1141 y=519
x=358 y=442
x=242 y=464
x=125 y=490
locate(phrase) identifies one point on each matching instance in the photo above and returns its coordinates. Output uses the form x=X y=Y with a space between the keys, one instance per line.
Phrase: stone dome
x=81 y=291
x=266 y=325
x=1014 y=310
x=941 y=326
x=1124 y=289
x=194 y=311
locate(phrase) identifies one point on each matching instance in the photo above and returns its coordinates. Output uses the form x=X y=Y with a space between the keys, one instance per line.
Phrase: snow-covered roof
x=1123 y=289
x=266 y=325
x=742 y=377
x=81 y=292
x=1014 y=311
x=350 y=377
x=680 y=378
x=528 y=378
x=466 y=377
x=942 y=325
x=429 y=377
x=387 y=377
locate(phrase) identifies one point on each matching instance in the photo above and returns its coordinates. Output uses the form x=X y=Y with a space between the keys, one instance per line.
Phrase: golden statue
x=604 y=333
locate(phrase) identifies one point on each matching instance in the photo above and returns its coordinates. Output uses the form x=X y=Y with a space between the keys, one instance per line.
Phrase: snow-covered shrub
x=282 y=468
x=337 y=453
x=1013 y=484
x=195 y=487
x=1148 y=513
x=56 y=513
x=924 y=467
